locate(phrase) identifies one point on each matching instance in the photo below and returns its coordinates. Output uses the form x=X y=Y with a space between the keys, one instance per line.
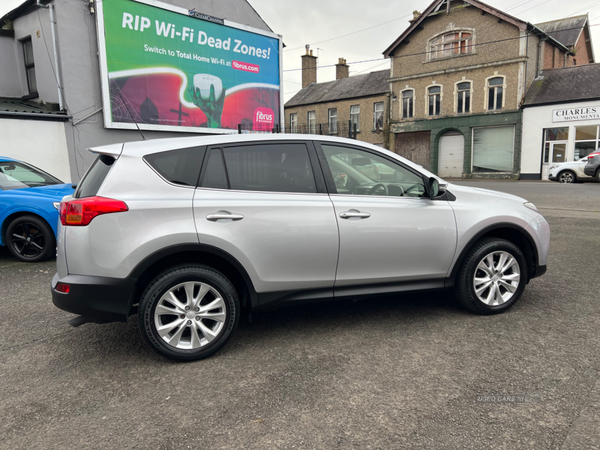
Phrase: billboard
x=166 y=68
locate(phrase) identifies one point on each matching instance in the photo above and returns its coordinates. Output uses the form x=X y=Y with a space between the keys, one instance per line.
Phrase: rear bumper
x=591 y=171
x=100 y=299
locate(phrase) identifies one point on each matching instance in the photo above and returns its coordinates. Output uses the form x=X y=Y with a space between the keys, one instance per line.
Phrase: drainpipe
x=50 y=8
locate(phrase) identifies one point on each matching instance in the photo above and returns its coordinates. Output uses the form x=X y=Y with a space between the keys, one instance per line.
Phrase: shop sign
x=581 y=113
x=163 y=69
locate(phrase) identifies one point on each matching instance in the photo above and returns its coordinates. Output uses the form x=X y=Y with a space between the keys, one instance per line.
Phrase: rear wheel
x=598 y=175
x=30 y=239
x=189 y=312
x=492 y=277
x=566 y=177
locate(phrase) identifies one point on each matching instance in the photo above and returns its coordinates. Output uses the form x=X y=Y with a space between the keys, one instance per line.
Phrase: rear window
x=93 y=179
x=178 y=166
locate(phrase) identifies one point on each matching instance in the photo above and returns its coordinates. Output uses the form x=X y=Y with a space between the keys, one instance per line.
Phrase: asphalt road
x=414 y=371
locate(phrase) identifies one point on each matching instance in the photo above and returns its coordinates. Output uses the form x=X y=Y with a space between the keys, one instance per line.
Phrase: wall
x=535 y=119
x=343 y=116
x=45 y=148
x=26 y=26
x=9 y=74
x=79 y=66
x=486 y=28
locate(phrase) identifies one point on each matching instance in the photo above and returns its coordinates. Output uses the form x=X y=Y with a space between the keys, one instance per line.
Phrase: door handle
x=354 y=213
x=223 y=215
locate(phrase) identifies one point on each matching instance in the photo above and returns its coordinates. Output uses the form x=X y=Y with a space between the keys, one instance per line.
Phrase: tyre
x=492 y=277
x=30 y=239
x=598 y=175
x=188 y=312
x=566 y=177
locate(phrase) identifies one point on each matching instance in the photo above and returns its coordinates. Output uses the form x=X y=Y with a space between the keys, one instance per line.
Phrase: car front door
x=263 y=204
x=392 y=235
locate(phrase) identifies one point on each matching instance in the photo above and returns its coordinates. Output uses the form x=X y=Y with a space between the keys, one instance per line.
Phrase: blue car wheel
x=30 y=239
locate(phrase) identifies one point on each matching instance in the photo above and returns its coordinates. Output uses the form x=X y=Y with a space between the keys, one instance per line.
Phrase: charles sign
x=570 y=114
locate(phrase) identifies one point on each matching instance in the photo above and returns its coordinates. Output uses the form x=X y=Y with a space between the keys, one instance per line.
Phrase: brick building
x=337 y=107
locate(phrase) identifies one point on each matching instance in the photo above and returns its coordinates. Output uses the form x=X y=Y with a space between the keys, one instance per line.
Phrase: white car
x=569 y=172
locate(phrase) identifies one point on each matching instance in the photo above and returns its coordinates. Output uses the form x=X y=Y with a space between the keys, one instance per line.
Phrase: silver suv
x=187 y=231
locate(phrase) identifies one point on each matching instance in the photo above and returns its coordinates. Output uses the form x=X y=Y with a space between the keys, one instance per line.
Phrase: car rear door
x=392 y=236
x=267 y=206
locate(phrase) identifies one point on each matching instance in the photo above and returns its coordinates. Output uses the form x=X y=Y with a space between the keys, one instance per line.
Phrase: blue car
x=29 y=201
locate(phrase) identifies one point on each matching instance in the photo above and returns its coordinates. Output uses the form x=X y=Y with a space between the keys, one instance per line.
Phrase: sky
x=359 y=30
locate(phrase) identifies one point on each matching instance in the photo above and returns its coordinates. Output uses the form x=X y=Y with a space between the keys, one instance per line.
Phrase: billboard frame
x=104 y=81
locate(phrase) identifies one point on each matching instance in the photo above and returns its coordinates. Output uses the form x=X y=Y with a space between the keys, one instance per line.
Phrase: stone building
x=460 y=72
x=339 y=107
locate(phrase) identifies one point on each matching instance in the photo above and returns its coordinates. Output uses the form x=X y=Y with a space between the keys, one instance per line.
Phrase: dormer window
x=451 y=44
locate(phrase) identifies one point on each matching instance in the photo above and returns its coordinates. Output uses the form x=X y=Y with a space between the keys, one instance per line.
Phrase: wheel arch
x=510 y=232
x=207 y=255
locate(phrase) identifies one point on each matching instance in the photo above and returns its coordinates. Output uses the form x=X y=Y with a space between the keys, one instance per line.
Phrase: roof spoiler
x=113 y=150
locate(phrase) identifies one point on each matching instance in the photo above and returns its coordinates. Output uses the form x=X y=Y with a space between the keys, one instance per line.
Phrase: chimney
x=341 y=69
x=309 y=68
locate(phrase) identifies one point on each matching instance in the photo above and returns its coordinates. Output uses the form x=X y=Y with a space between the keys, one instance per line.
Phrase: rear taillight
x=80 y=212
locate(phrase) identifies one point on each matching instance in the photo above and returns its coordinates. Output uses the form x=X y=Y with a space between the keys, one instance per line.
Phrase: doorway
x=555 y=152
x=451 y=155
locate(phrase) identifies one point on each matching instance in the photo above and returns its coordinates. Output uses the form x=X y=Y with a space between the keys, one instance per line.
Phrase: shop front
x=558 y=133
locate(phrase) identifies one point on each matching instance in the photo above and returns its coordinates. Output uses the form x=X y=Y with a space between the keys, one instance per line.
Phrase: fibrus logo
x=263 y=118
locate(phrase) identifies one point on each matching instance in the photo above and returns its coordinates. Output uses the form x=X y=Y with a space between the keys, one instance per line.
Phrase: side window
x=270 y=167
x=94 y=177
x=178 y=166
x=358 y=172
x=214 y=174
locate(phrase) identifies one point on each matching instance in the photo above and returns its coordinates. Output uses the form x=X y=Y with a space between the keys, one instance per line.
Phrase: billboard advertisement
x=170 y=69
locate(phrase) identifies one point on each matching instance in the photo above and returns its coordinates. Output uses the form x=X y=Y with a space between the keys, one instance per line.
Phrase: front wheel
x=492 y=277
x=189 y=312
x=30 y=239
x=566 y=177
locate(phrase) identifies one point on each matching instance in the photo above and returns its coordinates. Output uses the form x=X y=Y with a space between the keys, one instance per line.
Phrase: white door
x=556 y=152
x=451 y=156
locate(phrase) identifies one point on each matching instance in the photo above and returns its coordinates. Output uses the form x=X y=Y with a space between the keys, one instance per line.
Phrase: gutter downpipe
x=56 y=67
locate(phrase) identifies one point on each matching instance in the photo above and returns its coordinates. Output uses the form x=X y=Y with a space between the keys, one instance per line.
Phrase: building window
x=463 y=97
x=377 y=115
x=434 y=102
x=493 y=149
x=29 y=67
x=332 y=120
x=408 y=103
x=586 y=141
x=311 y=119
x=495 y=93
x=355 y=117
x=554 y=150
x=294 y=123
x=451 y=44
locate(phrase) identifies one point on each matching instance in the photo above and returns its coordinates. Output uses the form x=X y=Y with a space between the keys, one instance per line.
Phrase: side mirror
x=434 y=187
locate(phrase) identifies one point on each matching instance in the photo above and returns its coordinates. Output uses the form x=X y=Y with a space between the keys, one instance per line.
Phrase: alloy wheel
x=28 y=240
x=497 y=278
x=190 y=315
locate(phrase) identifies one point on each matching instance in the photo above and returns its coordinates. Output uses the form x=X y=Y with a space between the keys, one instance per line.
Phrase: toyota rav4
x=185 y=232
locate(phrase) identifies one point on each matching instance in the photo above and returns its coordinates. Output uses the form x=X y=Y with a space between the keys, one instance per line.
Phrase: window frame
x=427 y=96
x=487 y=93
x=313 y=161
x=435 y=45
x=474 y=131
x=28 y=66
x=411 y=106
x=355 y=118
x=375 y=114
x=330 y=183
x=457 y=100
x=311 y=128
x=332 y=121
x=293 y=122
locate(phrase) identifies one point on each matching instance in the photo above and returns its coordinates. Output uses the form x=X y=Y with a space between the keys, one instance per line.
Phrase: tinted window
x=214 y=174
x=178 y=166
x=270 y=167
x=93 y=179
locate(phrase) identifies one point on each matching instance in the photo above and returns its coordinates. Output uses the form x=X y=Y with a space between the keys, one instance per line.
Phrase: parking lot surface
x=412 y=371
